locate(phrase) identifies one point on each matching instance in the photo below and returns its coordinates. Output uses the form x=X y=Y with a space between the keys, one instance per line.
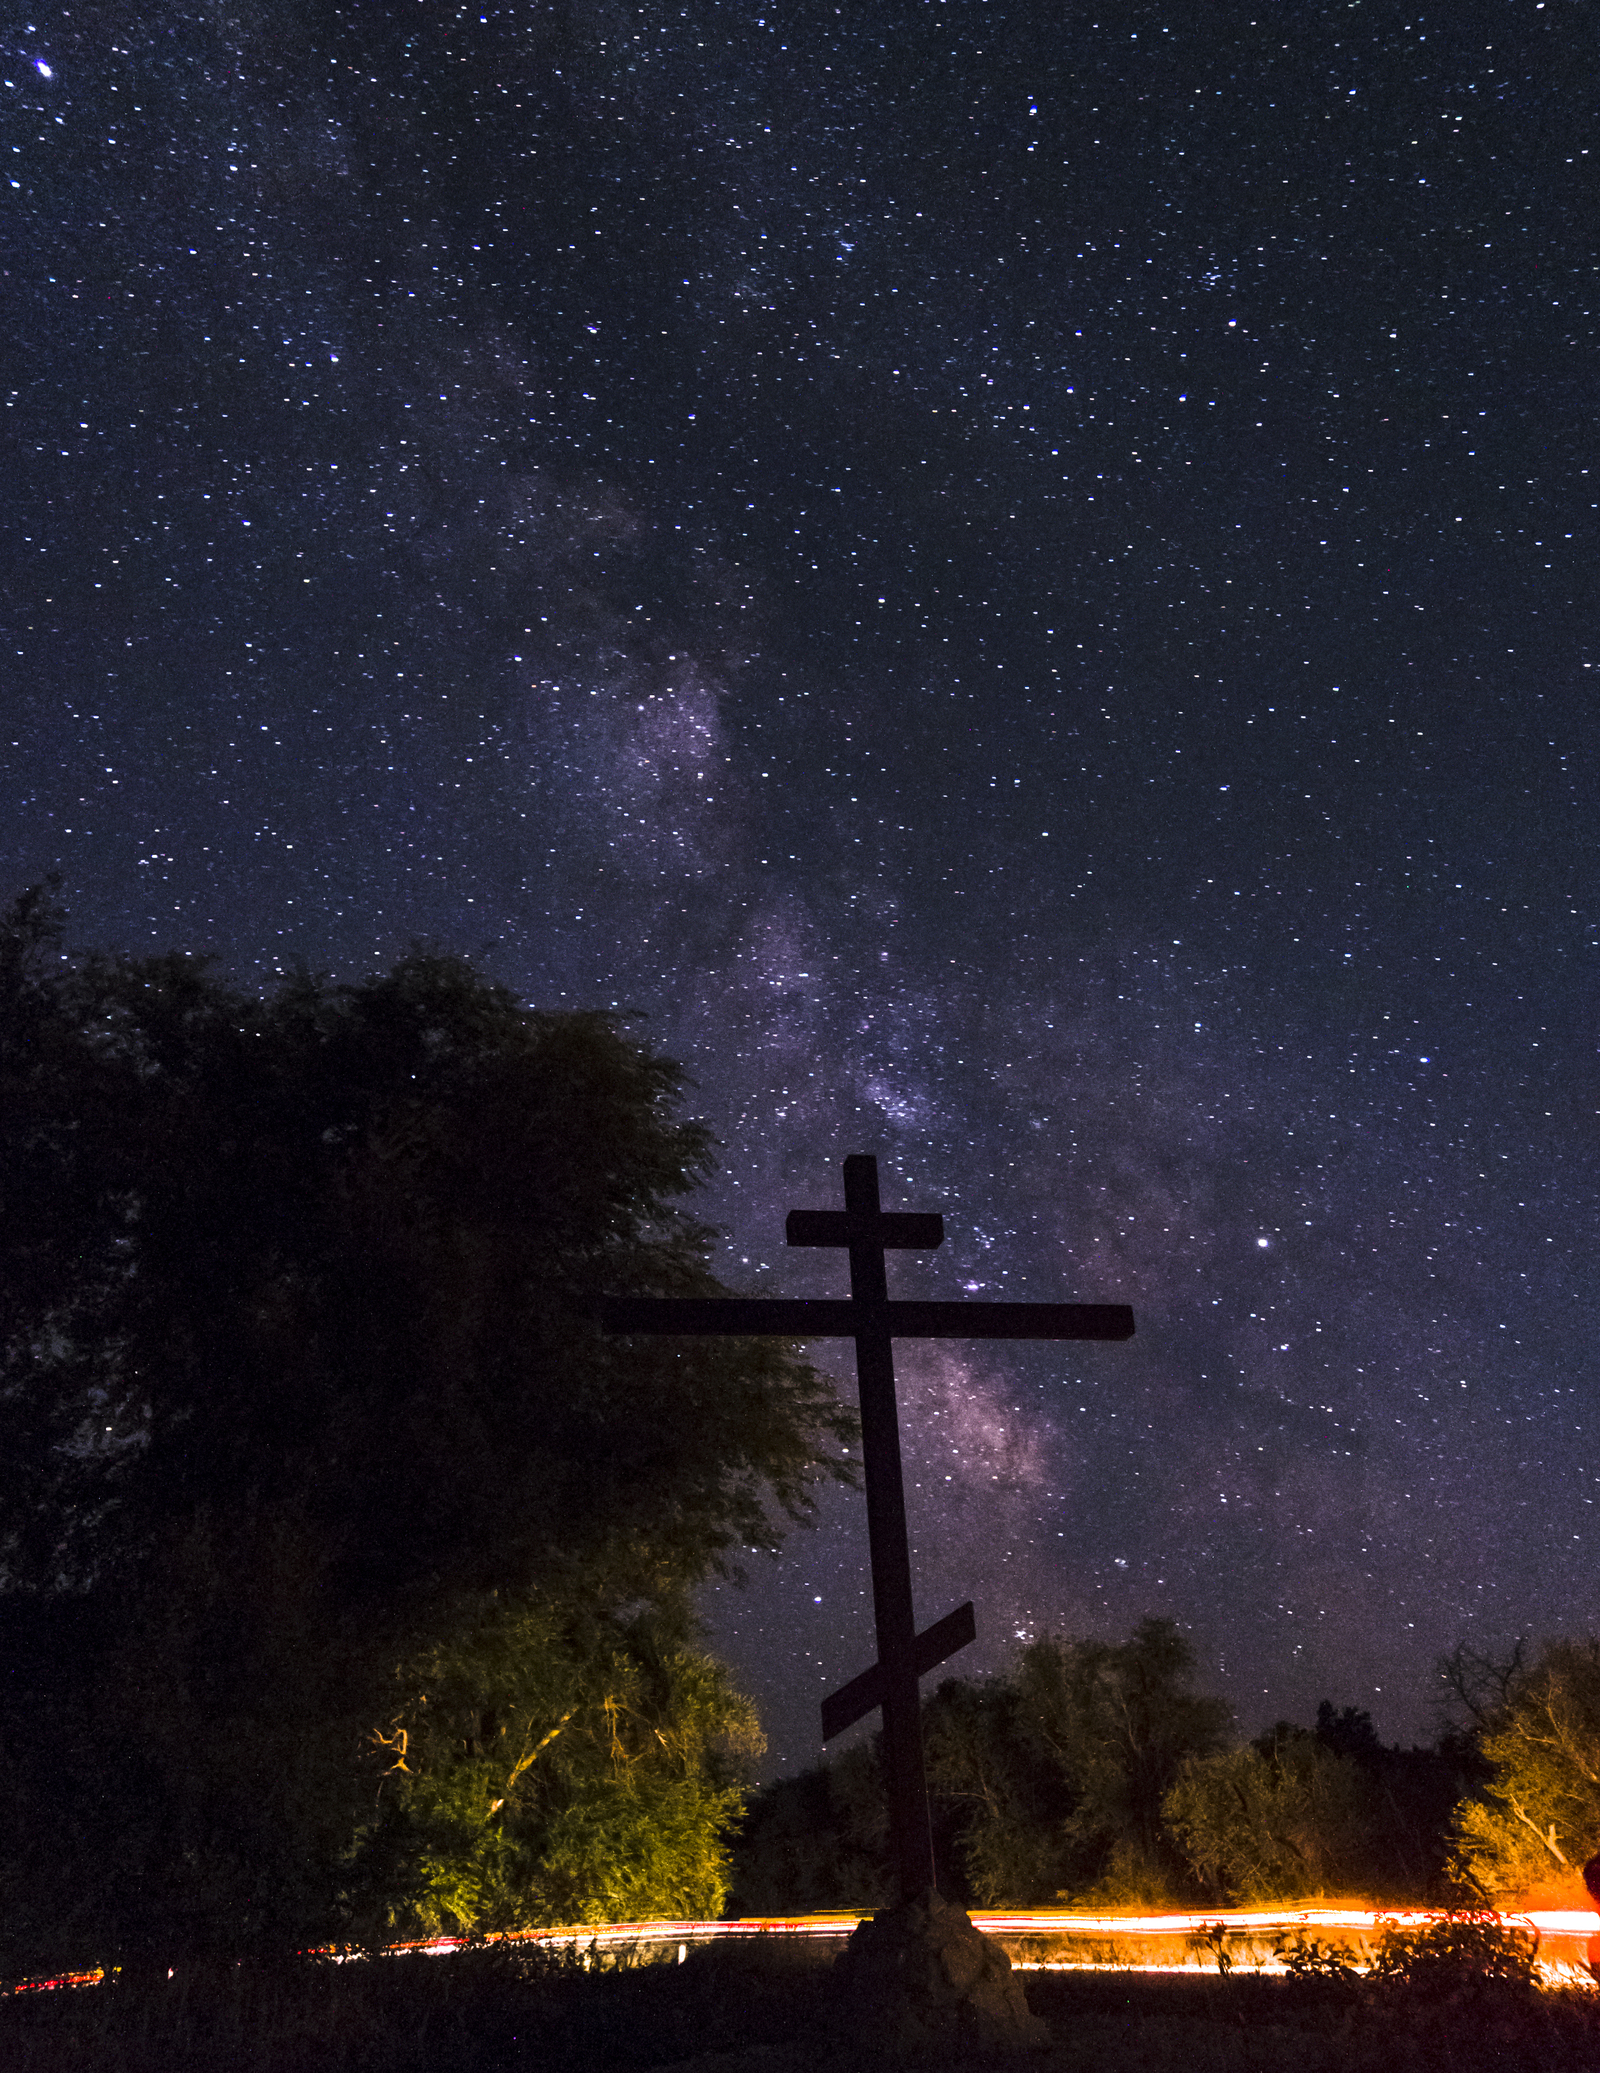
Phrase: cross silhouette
x=867 y=1231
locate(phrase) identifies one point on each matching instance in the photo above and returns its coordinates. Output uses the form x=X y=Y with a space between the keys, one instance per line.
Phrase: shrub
x=1465 y=1951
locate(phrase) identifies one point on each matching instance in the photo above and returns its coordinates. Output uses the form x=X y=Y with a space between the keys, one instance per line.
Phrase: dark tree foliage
x=299 y=1372
x=1064 y=1766
x=1045 y=1784
x=1330 y=1811
x=1093 y=1773
x=820 y=1841
x=1348 y=1731
x=1420 y=1792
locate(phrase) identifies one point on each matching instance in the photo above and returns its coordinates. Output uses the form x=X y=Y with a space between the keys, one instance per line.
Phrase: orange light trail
x=1565 y=1937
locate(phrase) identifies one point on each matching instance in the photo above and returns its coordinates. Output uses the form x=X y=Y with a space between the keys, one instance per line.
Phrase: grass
x=496 y=2008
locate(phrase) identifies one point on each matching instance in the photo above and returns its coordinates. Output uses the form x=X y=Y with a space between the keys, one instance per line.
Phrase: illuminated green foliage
x=1538 y=1820
x=541 y=1770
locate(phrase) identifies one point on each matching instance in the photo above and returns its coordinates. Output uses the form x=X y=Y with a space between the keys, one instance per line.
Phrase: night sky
x=1020 y=582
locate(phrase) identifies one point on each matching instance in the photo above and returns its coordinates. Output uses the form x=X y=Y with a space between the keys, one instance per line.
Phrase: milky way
x=1020 y=582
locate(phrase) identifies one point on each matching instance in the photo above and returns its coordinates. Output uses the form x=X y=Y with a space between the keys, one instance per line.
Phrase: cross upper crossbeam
x=895 y=1230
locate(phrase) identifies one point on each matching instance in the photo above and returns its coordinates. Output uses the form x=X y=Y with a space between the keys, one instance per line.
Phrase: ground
x=767 y=2011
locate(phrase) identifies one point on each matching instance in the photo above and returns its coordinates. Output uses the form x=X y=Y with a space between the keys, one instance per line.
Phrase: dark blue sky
x=1021 y=581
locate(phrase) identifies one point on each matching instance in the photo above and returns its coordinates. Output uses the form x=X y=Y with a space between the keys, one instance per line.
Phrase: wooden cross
x=874 y=1322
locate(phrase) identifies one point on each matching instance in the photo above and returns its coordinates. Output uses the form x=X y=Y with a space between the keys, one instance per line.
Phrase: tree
x=1329 y=1809
x=1527 y=1834
x=1064 y=1766
x=1284 y=1818
x=301 y=1381
x=996 y=1796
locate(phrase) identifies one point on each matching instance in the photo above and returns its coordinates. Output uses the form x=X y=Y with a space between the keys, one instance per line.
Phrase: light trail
x=1040 y=1939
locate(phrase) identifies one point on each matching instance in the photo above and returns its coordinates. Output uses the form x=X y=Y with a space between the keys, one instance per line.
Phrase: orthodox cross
x=874 y=1322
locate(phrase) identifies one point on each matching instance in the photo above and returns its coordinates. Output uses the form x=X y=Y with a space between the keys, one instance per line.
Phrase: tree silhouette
x=301 y=1379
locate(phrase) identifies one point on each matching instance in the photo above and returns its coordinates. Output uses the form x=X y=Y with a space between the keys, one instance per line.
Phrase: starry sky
x=1019 y=582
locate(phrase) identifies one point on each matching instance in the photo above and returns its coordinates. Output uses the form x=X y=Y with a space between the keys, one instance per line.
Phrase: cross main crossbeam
x=819 y=1318
x=867 y=1232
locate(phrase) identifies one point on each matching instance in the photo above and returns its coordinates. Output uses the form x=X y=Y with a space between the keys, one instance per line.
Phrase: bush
x=548 y=1771
x=1465 y=1952
x=1314 y=1963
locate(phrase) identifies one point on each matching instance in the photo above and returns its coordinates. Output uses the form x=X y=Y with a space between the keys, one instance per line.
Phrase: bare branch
x=1549 y=1841
x=1482 y=1685
x=398 y=1742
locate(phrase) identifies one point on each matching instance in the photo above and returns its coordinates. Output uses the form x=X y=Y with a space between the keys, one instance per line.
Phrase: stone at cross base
x=922 y=1977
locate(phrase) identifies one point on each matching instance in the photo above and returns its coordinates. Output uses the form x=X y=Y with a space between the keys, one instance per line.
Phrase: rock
x=920 y=1976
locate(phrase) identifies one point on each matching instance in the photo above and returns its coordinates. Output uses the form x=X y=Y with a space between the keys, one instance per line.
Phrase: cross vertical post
x=887 y=1541
x=874 y=1322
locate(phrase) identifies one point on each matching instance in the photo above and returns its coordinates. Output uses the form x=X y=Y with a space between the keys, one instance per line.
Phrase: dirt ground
x=731 y=2011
